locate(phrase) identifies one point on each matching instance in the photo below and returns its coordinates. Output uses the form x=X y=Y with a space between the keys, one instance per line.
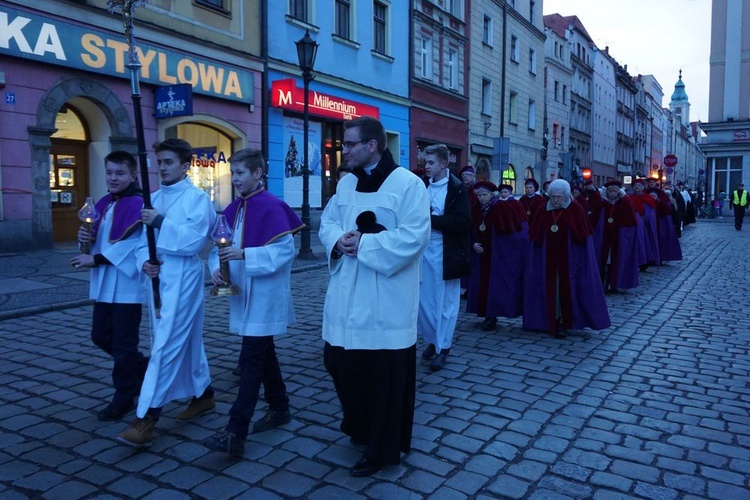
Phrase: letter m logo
x=285 y=97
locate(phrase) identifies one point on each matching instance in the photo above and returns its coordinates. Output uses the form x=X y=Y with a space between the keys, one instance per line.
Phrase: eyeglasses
x=351 y=144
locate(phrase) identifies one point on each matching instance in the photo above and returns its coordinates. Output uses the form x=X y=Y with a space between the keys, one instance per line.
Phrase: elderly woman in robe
x=562 y=286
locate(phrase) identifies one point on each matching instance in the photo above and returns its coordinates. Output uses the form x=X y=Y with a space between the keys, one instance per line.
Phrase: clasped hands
x=348 y=244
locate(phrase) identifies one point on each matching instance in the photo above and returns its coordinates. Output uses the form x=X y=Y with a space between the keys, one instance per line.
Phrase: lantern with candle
x=88 y=214
x=222 y=235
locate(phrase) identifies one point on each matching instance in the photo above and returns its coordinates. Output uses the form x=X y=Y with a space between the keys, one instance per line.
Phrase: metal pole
x=127 y=8
x=305 y=252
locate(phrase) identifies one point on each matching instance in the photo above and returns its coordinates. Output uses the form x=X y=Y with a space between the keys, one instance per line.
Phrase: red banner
x=286 y=95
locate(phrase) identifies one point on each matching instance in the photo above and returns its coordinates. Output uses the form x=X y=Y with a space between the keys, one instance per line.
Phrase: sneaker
x=439 y=362
x=429 y=352
x=115 y=411
x=196 y=408
x=139 y=434
x=226 y=442
x=271 y=420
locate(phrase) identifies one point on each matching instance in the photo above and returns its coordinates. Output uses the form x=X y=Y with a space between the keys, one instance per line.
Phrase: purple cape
x=626 y=257
x=126 y=218
x=651 y=238
x=505 y=290
x=267 y=218
x=589 y=309
x=669 y=245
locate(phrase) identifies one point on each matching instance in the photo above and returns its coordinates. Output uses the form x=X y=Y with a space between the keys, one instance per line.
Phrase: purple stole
x=126 y=218
x=266 y=218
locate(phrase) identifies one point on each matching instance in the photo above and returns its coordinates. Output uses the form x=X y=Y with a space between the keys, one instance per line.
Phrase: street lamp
x=307 y=48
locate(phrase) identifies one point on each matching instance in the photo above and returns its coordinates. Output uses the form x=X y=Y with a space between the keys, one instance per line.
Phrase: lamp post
x=307 y=48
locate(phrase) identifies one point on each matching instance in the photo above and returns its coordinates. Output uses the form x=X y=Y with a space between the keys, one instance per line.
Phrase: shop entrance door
x=68 y=182
x=333 y=134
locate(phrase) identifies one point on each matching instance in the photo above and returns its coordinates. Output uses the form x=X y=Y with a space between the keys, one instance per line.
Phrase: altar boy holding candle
x=260 y=264
x=114 y=284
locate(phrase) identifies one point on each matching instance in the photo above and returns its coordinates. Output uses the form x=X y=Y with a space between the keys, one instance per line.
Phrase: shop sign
x=174 y=100
x=286 y=95
x=54 y=41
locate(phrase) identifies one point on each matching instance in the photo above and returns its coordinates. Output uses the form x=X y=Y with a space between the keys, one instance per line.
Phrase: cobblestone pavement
x=658 y=406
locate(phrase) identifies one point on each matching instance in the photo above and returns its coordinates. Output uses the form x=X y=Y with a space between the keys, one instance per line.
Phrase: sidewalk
x=42 y=280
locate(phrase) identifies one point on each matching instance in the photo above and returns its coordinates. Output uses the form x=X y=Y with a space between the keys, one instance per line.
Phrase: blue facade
x=345 y=68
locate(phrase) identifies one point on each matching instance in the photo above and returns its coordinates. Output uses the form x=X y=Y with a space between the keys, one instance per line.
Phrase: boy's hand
x=149 y=215
x=84 y=235
x=231 y=253
x=217 y=278
x=82 y=260
x=151 y=270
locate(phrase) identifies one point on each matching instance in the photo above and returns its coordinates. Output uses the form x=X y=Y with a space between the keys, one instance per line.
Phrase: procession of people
x=399 y=248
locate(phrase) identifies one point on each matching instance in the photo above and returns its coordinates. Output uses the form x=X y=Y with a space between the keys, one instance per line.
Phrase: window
x=513 y=107
x=380 y=11
x=216 y=4
x=425 y=57
x=557 y=90
x=555 y=134
x=298 y=9
x=487 y=30
x=486 y=97
x=532 y=61
x=343 y=19
x=514 y=48
x=454 y=7
x=561 y=140
x=451 y=62
x=531 y=11
x=532 y=115
x=565 y=94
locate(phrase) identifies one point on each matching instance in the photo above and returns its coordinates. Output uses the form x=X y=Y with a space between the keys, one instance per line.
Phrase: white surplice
x=178 y=367
x=372 y=299
x=264 y=306
x=439 y=300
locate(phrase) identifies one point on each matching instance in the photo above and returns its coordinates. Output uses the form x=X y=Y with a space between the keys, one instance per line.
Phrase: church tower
x=680 y=105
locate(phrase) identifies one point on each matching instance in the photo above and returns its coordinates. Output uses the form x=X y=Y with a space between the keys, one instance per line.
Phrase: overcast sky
x=657 y=37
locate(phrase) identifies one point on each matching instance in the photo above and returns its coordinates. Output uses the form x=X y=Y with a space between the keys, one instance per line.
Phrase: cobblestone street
x=657 y=406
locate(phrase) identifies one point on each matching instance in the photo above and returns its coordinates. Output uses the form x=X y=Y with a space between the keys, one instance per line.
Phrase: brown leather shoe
x=139 y=434
x=196 y=408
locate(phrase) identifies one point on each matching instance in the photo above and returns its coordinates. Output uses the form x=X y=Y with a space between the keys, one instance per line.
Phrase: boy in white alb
x=183 y=216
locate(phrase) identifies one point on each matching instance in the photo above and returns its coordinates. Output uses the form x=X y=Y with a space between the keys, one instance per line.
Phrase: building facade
x=727 y=142
x=361 y=68
x=506 y=111
x=604 y=117
x=68 y=102
x=625 y=150
x=581 y=48
x=558 y=80
x=439 y=80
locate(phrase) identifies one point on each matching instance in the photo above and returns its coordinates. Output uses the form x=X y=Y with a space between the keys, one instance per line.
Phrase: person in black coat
x=447 y=257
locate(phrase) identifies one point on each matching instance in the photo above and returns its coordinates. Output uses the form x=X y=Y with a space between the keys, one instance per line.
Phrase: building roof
x=679 y=93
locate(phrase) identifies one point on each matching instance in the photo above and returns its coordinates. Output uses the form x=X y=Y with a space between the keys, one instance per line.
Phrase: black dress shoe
x=364 y=468
x=115 y=411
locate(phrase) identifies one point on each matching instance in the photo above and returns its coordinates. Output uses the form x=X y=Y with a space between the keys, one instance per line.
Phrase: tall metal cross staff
x=127 y=8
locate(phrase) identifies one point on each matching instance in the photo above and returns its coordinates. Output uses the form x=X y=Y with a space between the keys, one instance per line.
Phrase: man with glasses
x=375 y=229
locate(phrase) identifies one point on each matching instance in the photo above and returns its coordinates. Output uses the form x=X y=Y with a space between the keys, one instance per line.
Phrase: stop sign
x=670 y=160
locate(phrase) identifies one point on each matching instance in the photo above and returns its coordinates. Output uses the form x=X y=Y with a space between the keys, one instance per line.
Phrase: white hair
x=560 y=185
